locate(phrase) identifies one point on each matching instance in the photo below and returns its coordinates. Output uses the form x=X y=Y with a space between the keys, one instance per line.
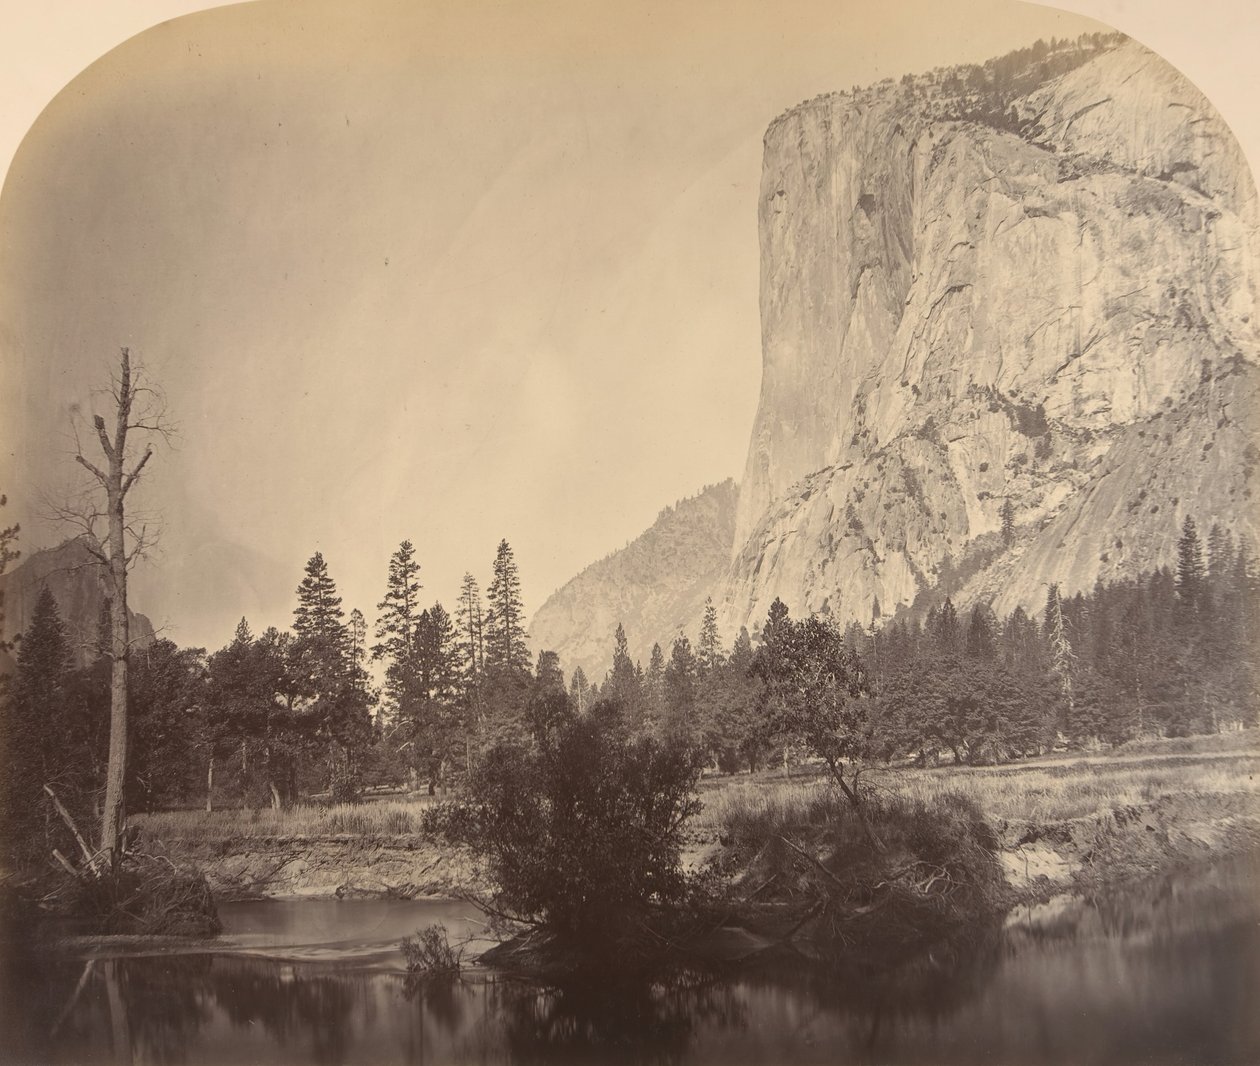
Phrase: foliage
x=44 y=741
x=167 y=684
x=814 y=689
x=505 y=621
x=429 y=954
x=583 y=832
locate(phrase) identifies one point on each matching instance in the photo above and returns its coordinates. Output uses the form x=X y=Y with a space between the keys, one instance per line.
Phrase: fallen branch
x=489 y=908
x=69 y=866
x=65 y=817
x=806 y=855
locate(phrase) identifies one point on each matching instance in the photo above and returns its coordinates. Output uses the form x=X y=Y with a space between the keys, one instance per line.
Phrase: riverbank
x=1062 y=823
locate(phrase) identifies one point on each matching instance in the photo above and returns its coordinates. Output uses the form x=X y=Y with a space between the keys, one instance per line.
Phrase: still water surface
x=1167 y=974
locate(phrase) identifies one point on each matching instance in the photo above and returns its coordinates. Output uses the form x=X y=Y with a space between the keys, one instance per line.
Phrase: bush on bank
x=580 y=831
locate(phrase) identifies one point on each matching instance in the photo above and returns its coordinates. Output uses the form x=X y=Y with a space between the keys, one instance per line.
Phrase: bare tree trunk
x=115 y=821
x=116 y=480
x=210 y=785
x=275 y=796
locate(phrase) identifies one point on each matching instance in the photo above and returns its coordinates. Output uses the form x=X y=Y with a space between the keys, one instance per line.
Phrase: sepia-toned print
x=686 y=533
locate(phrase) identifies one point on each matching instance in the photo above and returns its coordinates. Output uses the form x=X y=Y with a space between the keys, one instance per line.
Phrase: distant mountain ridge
x=655 y=586
x=73 y=576
x=1036 y=281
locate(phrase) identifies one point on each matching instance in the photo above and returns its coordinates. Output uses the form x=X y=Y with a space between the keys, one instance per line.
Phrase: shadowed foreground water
x=1166 y=974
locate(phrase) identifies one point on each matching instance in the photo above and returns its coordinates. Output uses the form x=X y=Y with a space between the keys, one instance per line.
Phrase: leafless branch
x=131 y=478
x=90 y=466
x=106 y=446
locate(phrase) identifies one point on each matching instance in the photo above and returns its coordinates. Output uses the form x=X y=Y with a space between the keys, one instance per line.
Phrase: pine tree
x=506 y=649
x=654 y=690
x=982 y=633
x=1007 y=516
x=680 y=692
x=472 y=635
x=1190 y=570
x=1220 y=554
x=943 y=628
x=35 y=748
x=431 y=720
x=396 y=624
x=318 y=613
x=472 y=652
x=709 y=649
x=548 y=677
x=776 y=622
x=622 y=684
x=341 y=719
x=744 y=725
x=357 y=649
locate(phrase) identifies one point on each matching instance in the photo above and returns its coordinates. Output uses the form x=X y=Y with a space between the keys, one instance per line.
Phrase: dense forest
x=276 y=717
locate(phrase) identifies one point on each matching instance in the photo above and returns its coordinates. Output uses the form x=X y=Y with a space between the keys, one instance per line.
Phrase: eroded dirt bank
x=404 y=867
x=1038 y=860
x=1127 y=843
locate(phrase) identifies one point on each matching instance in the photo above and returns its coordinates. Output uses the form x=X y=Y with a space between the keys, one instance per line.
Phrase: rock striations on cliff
x=1043 y=291
x=1055 y=304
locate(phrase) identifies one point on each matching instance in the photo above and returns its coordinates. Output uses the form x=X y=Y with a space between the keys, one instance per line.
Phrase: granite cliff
x=1055 y=305
x=74 y=578
x=1033 y=281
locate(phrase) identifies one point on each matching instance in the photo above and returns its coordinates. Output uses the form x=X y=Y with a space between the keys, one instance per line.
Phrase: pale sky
x=446 y=271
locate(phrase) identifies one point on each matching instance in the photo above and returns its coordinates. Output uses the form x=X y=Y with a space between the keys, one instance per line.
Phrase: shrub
x=429 y=953
x=582 y=833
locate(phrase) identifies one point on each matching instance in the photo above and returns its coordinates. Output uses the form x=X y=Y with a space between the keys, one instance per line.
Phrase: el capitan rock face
x=1054 y=302
x=1058 y=307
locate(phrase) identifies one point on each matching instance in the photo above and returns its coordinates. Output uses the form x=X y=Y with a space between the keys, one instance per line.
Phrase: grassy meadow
x=1039 y=791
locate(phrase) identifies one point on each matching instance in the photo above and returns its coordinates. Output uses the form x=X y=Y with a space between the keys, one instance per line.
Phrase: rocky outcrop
x=655 y=586
x=1056 y=306
x=1043 y=291
x=74 y=577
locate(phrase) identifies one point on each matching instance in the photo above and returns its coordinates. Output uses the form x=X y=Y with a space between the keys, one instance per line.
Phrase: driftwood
x=88 y=855
x=67 y=864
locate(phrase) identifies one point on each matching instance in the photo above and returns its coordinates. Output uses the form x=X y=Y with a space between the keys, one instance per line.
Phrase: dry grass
x=1041 y=791
x=382 y=818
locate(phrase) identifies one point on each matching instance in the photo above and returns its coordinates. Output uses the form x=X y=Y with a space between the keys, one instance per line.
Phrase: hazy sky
x=445 y=271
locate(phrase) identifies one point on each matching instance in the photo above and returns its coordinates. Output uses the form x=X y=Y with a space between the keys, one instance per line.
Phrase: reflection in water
x=636 y=1021
x=1169 y=973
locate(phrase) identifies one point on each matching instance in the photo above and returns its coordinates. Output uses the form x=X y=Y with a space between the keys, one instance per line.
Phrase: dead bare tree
x=137 y=408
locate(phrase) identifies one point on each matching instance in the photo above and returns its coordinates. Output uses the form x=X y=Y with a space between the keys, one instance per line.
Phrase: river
x=1167 y=973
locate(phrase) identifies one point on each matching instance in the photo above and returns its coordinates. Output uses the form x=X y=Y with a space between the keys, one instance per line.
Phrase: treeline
x=280 y=716
x=275 y=717
x=986 y=92
x=1168 y=653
